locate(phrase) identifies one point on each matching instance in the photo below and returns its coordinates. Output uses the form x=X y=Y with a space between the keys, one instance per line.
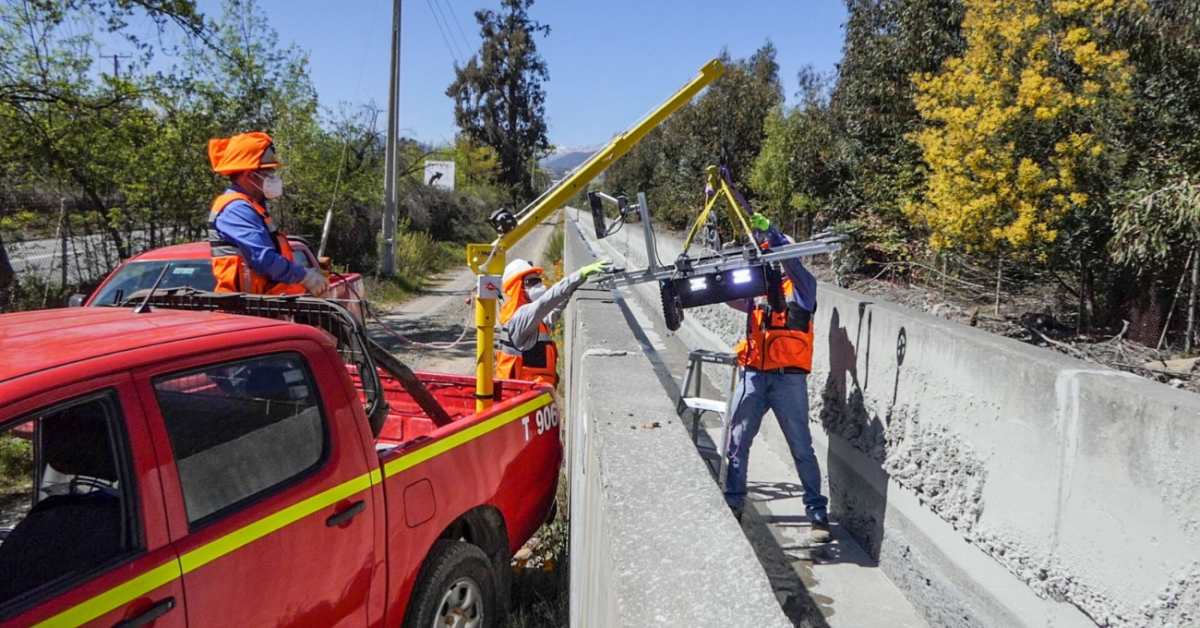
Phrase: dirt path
x=439 y=314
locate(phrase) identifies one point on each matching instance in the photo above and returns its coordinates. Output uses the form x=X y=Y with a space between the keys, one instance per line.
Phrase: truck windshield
x=134 y=276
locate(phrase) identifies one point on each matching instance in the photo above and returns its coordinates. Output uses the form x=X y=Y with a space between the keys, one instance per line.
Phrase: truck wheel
x=456 y=589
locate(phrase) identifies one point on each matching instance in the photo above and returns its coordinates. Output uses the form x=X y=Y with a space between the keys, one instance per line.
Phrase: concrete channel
x=974 y=480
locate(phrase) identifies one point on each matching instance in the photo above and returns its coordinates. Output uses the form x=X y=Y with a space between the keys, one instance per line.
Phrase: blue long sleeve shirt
x=803 y=281
x=239 y=225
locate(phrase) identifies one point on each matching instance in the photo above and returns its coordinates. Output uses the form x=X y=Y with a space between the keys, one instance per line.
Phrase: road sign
x=440 y=174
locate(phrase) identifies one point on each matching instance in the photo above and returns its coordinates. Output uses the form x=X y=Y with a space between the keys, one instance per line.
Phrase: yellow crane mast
x=488 y=260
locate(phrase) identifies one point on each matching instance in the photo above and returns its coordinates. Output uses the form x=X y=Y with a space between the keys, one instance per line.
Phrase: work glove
x=315 y=282
x=760 y=222
x=595 y=269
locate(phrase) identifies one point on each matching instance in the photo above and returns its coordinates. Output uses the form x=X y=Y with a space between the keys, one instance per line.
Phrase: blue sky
x=610 y=61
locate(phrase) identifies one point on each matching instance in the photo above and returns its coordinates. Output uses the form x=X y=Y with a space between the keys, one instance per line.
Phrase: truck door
x=268 y=488
x=83 y=534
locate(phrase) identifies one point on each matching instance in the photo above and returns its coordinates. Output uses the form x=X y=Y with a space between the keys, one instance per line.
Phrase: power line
x=450 y=5
x=439 y=25
x=438 y=4
x=116 y=62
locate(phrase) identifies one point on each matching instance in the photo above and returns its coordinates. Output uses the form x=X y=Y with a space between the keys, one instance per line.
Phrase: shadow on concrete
x=662 y=370
x=788 y=564
x=860 y=508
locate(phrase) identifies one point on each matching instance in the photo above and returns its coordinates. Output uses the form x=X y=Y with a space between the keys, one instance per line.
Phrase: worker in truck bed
x=776 y=358
x=249 y=254
x=530 y=309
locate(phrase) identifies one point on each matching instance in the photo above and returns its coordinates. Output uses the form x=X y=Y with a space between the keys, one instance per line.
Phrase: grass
x=418 y=258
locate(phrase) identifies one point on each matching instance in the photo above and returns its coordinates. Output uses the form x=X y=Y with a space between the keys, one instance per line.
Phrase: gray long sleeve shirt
x=522 y=328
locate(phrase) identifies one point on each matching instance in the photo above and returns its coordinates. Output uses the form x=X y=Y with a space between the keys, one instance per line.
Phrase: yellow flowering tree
x=1019 y=129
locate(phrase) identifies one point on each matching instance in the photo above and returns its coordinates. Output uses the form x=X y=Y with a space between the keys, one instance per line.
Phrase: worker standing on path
x=527 y=351
x=249 y=254
x=776 y=358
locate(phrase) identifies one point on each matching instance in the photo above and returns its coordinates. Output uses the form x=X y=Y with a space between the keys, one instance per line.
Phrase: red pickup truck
x=191 y=266
x=179 y=467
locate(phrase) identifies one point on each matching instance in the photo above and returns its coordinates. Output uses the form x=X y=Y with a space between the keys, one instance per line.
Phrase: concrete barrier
x=652 y=542
x=997 y=484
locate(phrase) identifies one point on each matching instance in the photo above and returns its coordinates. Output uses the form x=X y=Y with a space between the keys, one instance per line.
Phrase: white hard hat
x=517 y=267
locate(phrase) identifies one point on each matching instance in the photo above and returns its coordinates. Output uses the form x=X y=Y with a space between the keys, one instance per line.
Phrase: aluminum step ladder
x=691 y=405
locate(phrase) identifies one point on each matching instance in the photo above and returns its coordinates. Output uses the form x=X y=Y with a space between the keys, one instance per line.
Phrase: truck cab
x=205 y=468
x=190 y=265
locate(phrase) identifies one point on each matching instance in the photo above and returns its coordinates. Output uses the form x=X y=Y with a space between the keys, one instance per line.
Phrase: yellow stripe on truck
x=242 y=537
x=134 y=588
x=448 y=443
x=115 y=597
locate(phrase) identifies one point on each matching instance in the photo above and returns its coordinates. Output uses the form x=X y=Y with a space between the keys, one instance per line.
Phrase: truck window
x=65 y=512
x=240 y=430
x=135 y=276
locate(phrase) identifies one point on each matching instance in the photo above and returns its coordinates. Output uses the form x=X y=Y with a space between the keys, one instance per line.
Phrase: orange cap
x=241 y=153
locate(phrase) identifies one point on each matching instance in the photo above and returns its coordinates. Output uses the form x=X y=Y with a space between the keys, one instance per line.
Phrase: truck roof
x=195 y=250
x=191 y=250
x=44 y=339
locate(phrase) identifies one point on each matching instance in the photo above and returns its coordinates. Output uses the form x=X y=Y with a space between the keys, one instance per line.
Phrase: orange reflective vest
x=539 y=363
x=232 y=272
x=778 y=340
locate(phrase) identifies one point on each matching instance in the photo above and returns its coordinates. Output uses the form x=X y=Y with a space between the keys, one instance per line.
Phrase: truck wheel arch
x=485 y=528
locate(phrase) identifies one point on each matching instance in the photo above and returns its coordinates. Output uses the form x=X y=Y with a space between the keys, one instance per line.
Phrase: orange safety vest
x=232 y=272
x=778 y=340
x=537 y=364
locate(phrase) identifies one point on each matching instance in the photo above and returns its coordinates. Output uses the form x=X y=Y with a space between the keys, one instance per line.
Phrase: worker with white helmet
x=530 y=309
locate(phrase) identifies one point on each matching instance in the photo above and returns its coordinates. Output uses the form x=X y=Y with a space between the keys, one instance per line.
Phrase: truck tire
x=456 y=581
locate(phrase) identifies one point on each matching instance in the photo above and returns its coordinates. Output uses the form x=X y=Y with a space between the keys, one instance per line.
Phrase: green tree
x=65 y=133
x=498 y=97
x=1156 y=218
x=801 y=166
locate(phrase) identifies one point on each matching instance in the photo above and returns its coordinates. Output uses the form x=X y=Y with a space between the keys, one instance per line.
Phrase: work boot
x=820 y=531
x=737 y=512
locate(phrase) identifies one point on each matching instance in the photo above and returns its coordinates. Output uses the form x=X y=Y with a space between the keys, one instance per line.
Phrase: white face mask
x=535 y=292
x=272 y=186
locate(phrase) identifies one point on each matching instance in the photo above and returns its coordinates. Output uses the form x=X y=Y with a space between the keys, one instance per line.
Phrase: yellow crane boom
x=490 y=259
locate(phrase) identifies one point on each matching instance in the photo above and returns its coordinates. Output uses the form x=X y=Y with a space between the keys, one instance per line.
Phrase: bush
x=418 y=254
x=450 y=215
x=16 y=461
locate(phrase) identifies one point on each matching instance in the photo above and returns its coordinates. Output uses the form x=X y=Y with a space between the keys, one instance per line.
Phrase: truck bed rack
x=357 y=350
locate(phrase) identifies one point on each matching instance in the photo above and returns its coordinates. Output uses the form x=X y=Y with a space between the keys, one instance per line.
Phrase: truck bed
x=406 y=422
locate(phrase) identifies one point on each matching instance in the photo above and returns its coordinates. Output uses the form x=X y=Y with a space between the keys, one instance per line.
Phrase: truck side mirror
x=76 y=300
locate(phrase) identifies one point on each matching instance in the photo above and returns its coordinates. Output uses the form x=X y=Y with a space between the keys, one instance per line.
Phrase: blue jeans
x=787 y=395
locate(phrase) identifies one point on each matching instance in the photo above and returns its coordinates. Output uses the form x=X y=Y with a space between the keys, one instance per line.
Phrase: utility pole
x=116 y=63
x=387 y=263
